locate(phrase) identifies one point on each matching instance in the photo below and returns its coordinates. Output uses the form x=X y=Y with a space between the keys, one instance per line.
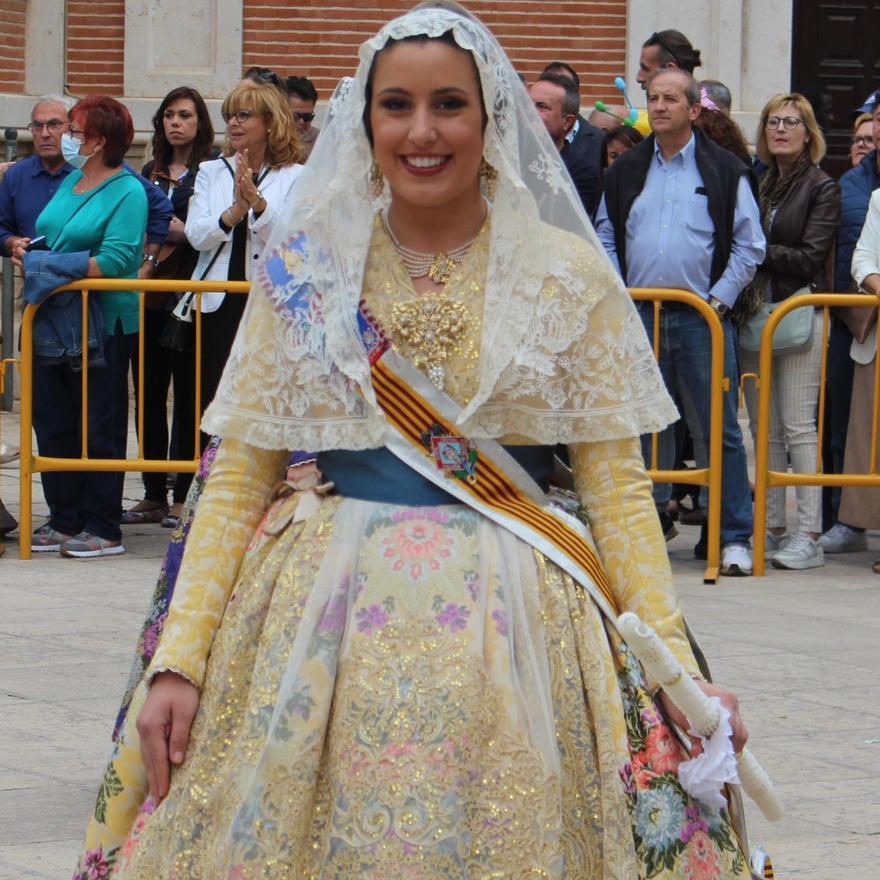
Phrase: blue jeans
x=685 y=360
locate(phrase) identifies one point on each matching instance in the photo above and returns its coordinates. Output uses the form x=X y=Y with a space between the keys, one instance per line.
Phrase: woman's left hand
x=728 y=700
x=245 y=187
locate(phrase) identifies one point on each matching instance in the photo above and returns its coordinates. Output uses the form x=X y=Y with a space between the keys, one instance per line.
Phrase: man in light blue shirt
x=678 y=211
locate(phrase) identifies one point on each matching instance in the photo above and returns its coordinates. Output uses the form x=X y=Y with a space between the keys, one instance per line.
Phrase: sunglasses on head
x=269 y=76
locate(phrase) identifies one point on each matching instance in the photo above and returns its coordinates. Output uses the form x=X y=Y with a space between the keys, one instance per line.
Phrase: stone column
x=44 y=48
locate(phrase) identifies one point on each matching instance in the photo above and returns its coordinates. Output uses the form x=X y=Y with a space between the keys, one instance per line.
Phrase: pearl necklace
x=438 y=267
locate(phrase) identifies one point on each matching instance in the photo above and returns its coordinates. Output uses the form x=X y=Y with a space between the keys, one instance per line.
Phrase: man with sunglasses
x=302 y=97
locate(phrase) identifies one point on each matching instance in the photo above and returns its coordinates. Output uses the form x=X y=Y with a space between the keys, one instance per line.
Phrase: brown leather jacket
x=802 y=235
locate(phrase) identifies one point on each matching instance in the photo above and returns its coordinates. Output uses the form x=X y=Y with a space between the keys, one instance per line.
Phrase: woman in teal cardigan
x=101 y=209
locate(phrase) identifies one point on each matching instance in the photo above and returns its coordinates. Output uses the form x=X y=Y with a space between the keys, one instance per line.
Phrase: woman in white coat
x=236 y=202
x=860 y=505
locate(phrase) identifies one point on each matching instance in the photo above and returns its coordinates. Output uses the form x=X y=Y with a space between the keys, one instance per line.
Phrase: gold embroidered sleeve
x=615 y=490
x=229 y=511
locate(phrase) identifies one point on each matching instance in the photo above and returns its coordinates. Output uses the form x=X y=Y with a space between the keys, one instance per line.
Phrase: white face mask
x=70 y=150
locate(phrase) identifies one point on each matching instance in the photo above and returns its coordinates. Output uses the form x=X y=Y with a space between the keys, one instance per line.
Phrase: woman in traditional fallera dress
x=386 y=677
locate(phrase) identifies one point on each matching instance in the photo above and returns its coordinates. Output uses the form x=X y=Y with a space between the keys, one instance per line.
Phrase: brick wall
x=319 y=39
x=95 y=46
x=12 y=30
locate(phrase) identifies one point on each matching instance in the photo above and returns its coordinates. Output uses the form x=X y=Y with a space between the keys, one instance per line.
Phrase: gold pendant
x=442 y=268
x=431 y=328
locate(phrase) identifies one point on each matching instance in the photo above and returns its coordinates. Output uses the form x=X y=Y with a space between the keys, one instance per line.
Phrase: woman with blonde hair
x=233 y=211
x=800 y=211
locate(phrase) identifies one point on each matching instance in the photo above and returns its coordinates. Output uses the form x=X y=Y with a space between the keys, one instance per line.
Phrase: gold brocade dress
x=402 y=691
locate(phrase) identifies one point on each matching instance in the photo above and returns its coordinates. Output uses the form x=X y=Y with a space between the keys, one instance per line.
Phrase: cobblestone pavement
x=799 y=648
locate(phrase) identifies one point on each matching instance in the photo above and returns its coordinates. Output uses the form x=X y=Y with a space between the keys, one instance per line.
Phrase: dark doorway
x=837 y=44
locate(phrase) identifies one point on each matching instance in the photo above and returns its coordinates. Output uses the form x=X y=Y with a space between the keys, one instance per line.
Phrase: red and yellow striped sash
x=413 y=417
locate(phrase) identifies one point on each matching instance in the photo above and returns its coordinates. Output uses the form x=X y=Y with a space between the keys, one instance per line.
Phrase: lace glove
x=234 y=501
x=615 y=490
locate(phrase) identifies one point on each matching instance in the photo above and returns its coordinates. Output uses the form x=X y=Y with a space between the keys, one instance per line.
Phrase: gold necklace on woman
x=437 y=267
x=433 y=327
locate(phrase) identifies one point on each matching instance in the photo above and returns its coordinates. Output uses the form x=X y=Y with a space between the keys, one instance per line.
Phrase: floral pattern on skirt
x=410 y=692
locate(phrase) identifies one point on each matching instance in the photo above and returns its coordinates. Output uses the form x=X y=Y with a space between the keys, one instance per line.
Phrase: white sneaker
x=841 y=538
x=799 y=553
x=774 y=543
x=736 y=560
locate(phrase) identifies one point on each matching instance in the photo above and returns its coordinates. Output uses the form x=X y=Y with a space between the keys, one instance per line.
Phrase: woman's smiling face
x=426 y=115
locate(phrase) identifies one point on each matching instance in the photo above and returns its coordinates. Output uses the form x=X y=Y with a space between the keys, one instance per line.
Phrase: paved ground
x=801 y=650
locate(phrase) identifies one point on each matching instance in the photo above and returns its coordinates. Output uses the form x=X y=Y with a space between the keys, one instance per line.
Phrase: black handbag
x=179 y=332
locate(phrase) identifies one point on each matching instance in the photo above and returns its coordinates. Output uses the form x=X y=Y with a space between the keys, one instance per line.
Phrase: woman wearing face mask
x=382 y=680
x=99 y=210
x=237 y=200
x=183 y=138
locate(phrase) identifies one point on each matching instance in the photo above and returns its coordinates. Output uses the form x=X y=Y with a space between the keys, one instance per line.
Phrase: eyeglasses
x=863 y=140
x=239 y=116
x=52 y=126
x=789 y=123
x=304 y=117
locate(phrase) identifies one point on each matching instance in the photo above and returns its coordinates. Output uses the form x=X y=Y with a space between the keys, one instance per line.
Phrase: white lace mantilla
x=563 y=355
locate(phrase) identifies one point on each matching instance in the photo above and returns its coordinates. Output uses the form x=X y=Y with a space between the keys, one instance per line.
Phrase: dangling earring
x=489 y=176
x=377 y=181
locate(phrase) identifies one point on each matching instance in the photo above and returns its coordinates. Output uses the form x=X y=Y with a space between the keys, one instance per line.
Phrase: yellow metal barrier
x=31 y=464
x=766 y=479
x=711 y=476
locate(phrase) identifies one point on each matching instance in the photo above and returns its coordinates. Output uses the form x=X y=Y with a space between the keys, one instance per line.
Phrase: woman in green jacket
x=102 y=209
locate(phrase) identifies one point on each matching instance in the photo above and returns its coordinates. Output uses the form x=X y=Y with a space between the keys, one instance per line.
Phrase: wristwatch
x=721 y=309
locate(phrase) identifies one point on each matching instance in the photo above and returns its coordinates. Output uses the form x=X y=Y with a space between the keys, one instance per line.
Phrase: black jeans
x=218 y=333
x=84 y=501
x=161 y=367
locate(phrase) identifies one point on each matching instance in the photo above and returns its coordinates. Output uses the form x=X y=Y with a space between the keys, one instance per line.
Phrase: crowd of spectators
x=688 y=206
x=75 y=209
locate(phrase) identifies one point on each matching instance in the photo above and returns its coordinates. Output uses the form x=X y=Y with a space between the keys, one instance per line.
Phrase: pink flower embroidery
x=642 y=772
x=453 y=617
x=651 y=717
x=370 y=618
x=500 y=618
x=96 y=865
x=662 y=749
x=626 y=777
x=701 y=861
x=333 y=618
x=151 y=638
x=694 y=823
x=419 y=542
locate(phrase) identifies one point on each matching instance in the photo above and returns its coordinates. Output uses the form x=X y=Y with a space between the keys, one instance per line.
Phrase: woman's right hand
x=164 y=724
